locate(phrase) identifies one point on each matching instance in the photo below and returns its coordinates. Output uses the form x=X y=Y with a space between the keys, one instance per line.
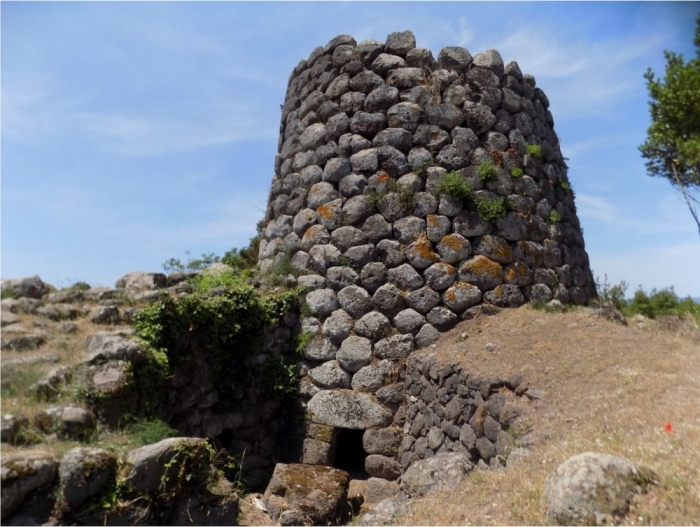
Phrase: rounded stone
x=481 y=272
x=336 y=169
x=437 y=227
x=518 y=274
x=357 y=209
x=420 y=253
x=495 y=248
x=540 y=293
x=442 y=318
x=406 y=115
x=355 y=300
x=454 y=58
x=338 y=326
x=423 y=299
x=374 y=376
x=390 y=253
x=352 y=185
x=330 y=214
x=394 y=347
x=389 y=300
x=373 y=325
x=405 y=277
x=505 y=295
x=322 y=302
x=409 y=228
x=440 y=276
x=319 y=349
x=330 y=375
x=454 y=248
x=321 y=193
x=461 y=296
x=354 y=353
x=408 y=321
x=341 y=276
x=376 y=228
x=373 y=276
x=323 y=257
x=426 y=336
x=345 y=237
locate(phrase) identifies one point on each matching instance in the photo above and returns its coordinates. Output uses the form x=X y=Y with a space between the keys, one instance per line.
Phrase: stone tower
x=410 y=193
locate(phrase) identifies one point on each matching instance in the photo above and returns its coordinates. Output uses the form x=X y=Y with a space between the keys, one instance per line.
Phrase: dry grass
x=608 y=388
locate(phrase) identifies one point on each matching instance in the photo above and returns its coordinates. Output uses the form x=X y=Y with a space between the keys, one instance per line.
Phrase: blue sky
x=134 y=132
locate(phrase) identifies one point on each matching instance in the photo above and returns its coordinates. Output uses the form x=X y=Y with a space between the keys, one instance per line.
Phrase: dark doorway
x=349 y=453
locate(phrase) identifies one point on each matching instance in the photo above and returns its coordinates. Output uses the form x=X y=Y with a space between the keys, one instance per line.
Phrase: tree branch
x=681 y=187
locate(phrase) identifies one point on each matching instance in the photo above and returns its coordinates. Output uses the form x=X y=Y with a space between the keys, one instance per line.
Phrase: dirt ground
x=606 y=388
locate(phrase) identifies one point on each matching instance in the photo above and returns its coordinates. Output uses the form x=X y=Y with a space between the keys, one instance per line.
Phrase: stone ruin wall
x=367 y=133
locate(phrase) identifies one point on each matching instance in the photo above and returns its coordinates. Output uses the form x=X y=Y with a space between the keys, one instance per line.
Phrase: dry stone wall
x=410 y=193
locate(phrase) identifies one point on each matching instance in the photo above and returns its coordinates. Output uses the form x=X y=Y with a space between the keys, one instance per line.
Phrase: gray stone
x=435 y=438
x=313 y=282
x=443 y=471
x=84 y=472
x=323 y=257
x=394 y=347
x=316 y=452
x=386 y=512
x=449 y=205
x=373 y=325
x=462 y=295
x=406 y=115
x=467 y=437
x=352 y=185
x=366 y=81
x=345 y=237
x=340 y=277
x=361 y=255
x=322 y=302
x=321 y=193
x=419 y=95
x=424 y=204
x=390 y=253
x=357 y=209
x=479 y=117
x=454 y=248
x=21 y=474
x=355 y=300
x=454 y=58
x=368 y=50
x=348 y=409
x=373 y=276
x=392 y=161
x=67 y=421
x=594 y=489
x=354 y=353
x=397 y=138
x=426 y=336
x=11 y=426
x=420 y=253
x=319 y=349
x=420 y=58
x=512 y=227
x=408 y=229
x=378 y=466
x=317 y=490
x=365 y=160
x=481 y=272
x=540 y=293
x=495 y=248
x=336 y=169
x=367 y=125
x=506 y=295
x=342 y=55
x=405 y=277
x=109 y=346
x=379 y=489
x=31 y=287
x=385 y=63
x=442 y=318
x=437 y=227
x=142 y=281
x=338 y=125
x=388 y=299
x=470 y=224
x=408 y=321
x=374 y=376
x=400 y=43
x=423 y=299
x=338 y=326
x=330 y=375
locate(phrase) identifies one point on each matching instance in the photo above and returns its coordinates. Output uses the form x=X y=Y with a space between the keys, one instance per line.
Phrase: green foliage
x=8 y=293
x=491 y=209
x=17 y=380
x=422 y=171
x=487 y=170
x=242 y=259
x=653 y=304
x=554 y=217
x=672 y=148
x=613 y=294
x=344 y=261
x=301 y=340
x=455 y=185
x=565 y=185
x=374 y=196
x=280 y=378
x=534 y=151
x=147 y=431
x=516 y=172
x=192 y=264
x=205 y=282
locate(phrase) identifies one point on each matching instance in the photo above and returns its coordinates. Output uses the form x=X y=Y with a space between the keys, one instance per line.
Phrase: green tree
x=672 y=148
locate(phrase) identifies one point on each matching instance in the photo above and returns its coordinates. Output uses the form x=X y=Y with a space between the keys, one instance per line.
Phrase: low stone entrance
x=350 y=455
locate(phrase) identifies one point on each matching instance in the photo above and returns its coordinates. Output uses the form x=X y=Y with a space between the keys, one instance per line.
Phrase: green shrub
x=491 y=209
x=422 y=171
x=565 y=185
x=455 y=185
x=206 y=282
x=660 y=302
x=614 y=294
x=554 y=217
x=534 y=151
x=487 y=170
x=147 y=431
x=516 y=172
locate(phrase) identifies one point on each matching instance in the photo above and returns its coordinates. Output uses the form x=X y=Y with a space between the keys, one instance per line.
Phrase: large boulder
x=318 y=493
x=21 y=474
x=31 y=287
x=142 y=281
x=103 y=347
x=66 y=421
x=439 y=472
x=593 y=489
x=348 y=409
x=84 y=472
x=167 y=465
x=386 y=512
